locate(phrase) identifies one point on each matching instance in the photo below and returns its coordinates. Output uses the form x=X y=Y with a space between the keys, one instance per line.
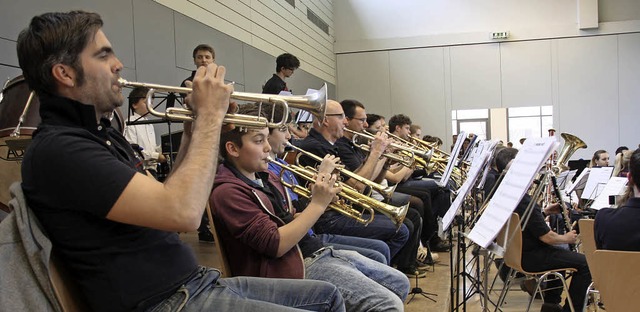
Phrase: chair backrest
x=224 y=262
x=66 y=290
x=588 y=241
x=617 y=273
x=513 y=245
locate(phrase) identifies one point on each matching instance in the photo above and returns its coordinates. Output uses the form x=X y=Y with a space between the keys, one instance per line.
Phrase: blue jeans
x=365 y=285
x=207 y=292
x=371 y=248
x=332 y=222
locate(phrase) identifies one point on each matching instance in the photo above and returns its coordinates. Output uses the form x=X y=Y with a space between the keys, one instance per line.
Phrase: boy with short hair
x=255 y=219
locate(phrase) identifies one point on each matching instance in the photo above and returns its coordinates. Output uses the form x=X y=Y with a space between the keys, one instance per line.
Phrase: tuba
x=571 y=144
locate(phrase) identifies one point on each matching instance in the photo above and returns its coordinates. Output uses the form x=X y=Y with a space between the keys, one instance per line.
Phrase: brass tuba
x=571 y=144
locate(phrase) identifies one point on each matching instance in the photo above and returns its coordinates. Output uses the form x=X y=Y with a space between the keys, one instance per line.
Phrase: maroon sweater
x=248 y=229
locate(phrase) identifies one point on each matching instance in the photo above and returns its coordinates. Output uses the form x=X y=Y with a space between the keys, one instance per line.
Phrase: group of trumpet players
x=114 y=228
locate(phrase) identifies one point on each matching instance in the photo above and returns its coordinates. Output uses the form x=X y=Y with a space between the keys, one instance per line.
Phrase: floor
x=437 y=282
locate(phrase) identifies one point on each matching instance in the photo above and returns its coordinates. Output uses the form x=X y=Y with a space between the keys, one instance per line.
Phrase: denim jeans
x=332 y=222
x=365 y=285
x=371 y=248
x=207 y=292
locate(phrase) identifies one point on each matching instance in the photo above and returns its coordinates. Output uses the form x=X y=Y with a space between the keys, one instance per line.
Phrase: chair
x=512 y=235
x=587 y=237
x=66 y=291
x=224 y=262
x=617 y=274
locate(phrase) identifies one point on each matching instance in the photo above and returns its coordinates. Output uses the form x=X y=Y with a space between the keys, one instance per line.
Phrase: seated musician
x=438 y=197
x=321 y=141
x=356 y=160
x=539 y=252
x=600 y=159
x=143 y=135
x=616 y=229
x=113 y=227
x=278 y=138
x=261 y=236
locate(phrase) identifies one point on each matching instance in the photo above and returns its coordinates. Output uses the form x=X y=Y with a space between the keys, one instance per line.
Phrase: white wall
x=438 y=57
x=272 y=26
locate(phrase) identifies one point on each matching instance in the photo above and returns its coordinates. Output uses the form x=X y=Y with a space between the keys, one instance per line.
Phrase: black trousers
x=548 y=258
x=406 y=257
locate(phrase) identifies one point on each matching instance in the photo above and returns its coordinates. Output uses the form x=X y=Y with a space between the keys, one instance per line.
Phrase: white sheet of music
x=615 y=186
x=444 y=180
x=492 y=147
x=580 y=180
x=597 y=176
x=516 y=182
x=464 y=189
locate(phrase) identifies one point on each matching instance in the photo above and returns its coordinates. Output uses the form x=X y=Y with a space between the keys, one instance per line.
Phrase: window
x=529 y=122
x=474 y=121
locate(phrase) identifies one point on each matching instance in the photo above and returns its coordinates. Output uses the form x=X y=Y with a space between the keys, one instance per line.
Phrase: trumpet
x=408 y=146
x=384 y=191
x=316 y=104
x=405 y=160
x=348 y=195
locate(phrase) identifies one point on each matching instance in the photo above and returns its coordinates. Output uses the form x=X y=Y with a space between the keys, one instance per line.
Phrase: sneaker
x=423 y=266
x=206 y=237
x=551 y=307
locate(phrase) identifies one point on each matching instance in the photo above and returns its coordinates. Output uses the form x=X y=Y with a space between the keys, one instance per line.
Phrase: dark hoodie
x=248 y=228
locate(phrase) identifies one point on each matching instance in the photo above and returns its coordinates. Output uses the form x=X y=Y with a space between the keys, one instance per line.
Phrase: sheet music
x=516 y=182
x=598 y=175
x=492 y=147
x=464 y=189
x=287 y=93
x=444 y=180
x=615 y=186
x=564 y=180
x=580 y=181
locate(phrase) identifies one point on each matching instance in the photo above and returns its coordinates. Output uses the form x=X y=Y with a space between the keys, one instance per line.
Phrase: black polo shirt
x=73 y=173
x=535 y=228
x=316 y=144
x=350 y=155
x=274 y=85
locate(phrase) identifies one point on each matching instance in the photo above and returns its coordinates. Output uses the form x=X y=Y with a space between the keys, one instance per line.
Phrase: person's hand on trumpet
x=211 y=95
x=379 y=144
x=324 y=190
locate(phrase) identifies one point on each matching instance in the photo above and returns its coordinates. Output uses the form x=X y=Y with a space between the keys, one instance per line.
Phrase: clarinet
x=564 y=209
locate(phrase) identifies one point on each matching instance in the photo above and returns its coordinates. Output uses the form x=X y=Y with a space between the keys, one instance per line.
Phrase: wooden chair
x=588 y=246
x=224 y=262
x=65 y=289
x=617 y=274
x=513 y=259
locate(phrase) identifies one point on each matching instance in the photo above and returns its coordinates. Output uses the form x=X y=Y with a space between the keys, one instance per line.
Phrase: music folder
x=444 y=180
x=515 y=184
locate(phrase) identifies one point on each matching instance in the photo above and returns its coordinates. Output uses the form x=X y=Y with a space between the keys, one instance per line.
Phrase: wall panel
x=588 y=92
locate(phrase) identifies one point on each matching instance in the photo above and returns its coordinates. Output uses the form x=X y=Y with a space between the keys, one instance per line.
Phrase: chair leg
x=505 y=288
x=586 y=297
x=566 y=288
x=538 y=290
